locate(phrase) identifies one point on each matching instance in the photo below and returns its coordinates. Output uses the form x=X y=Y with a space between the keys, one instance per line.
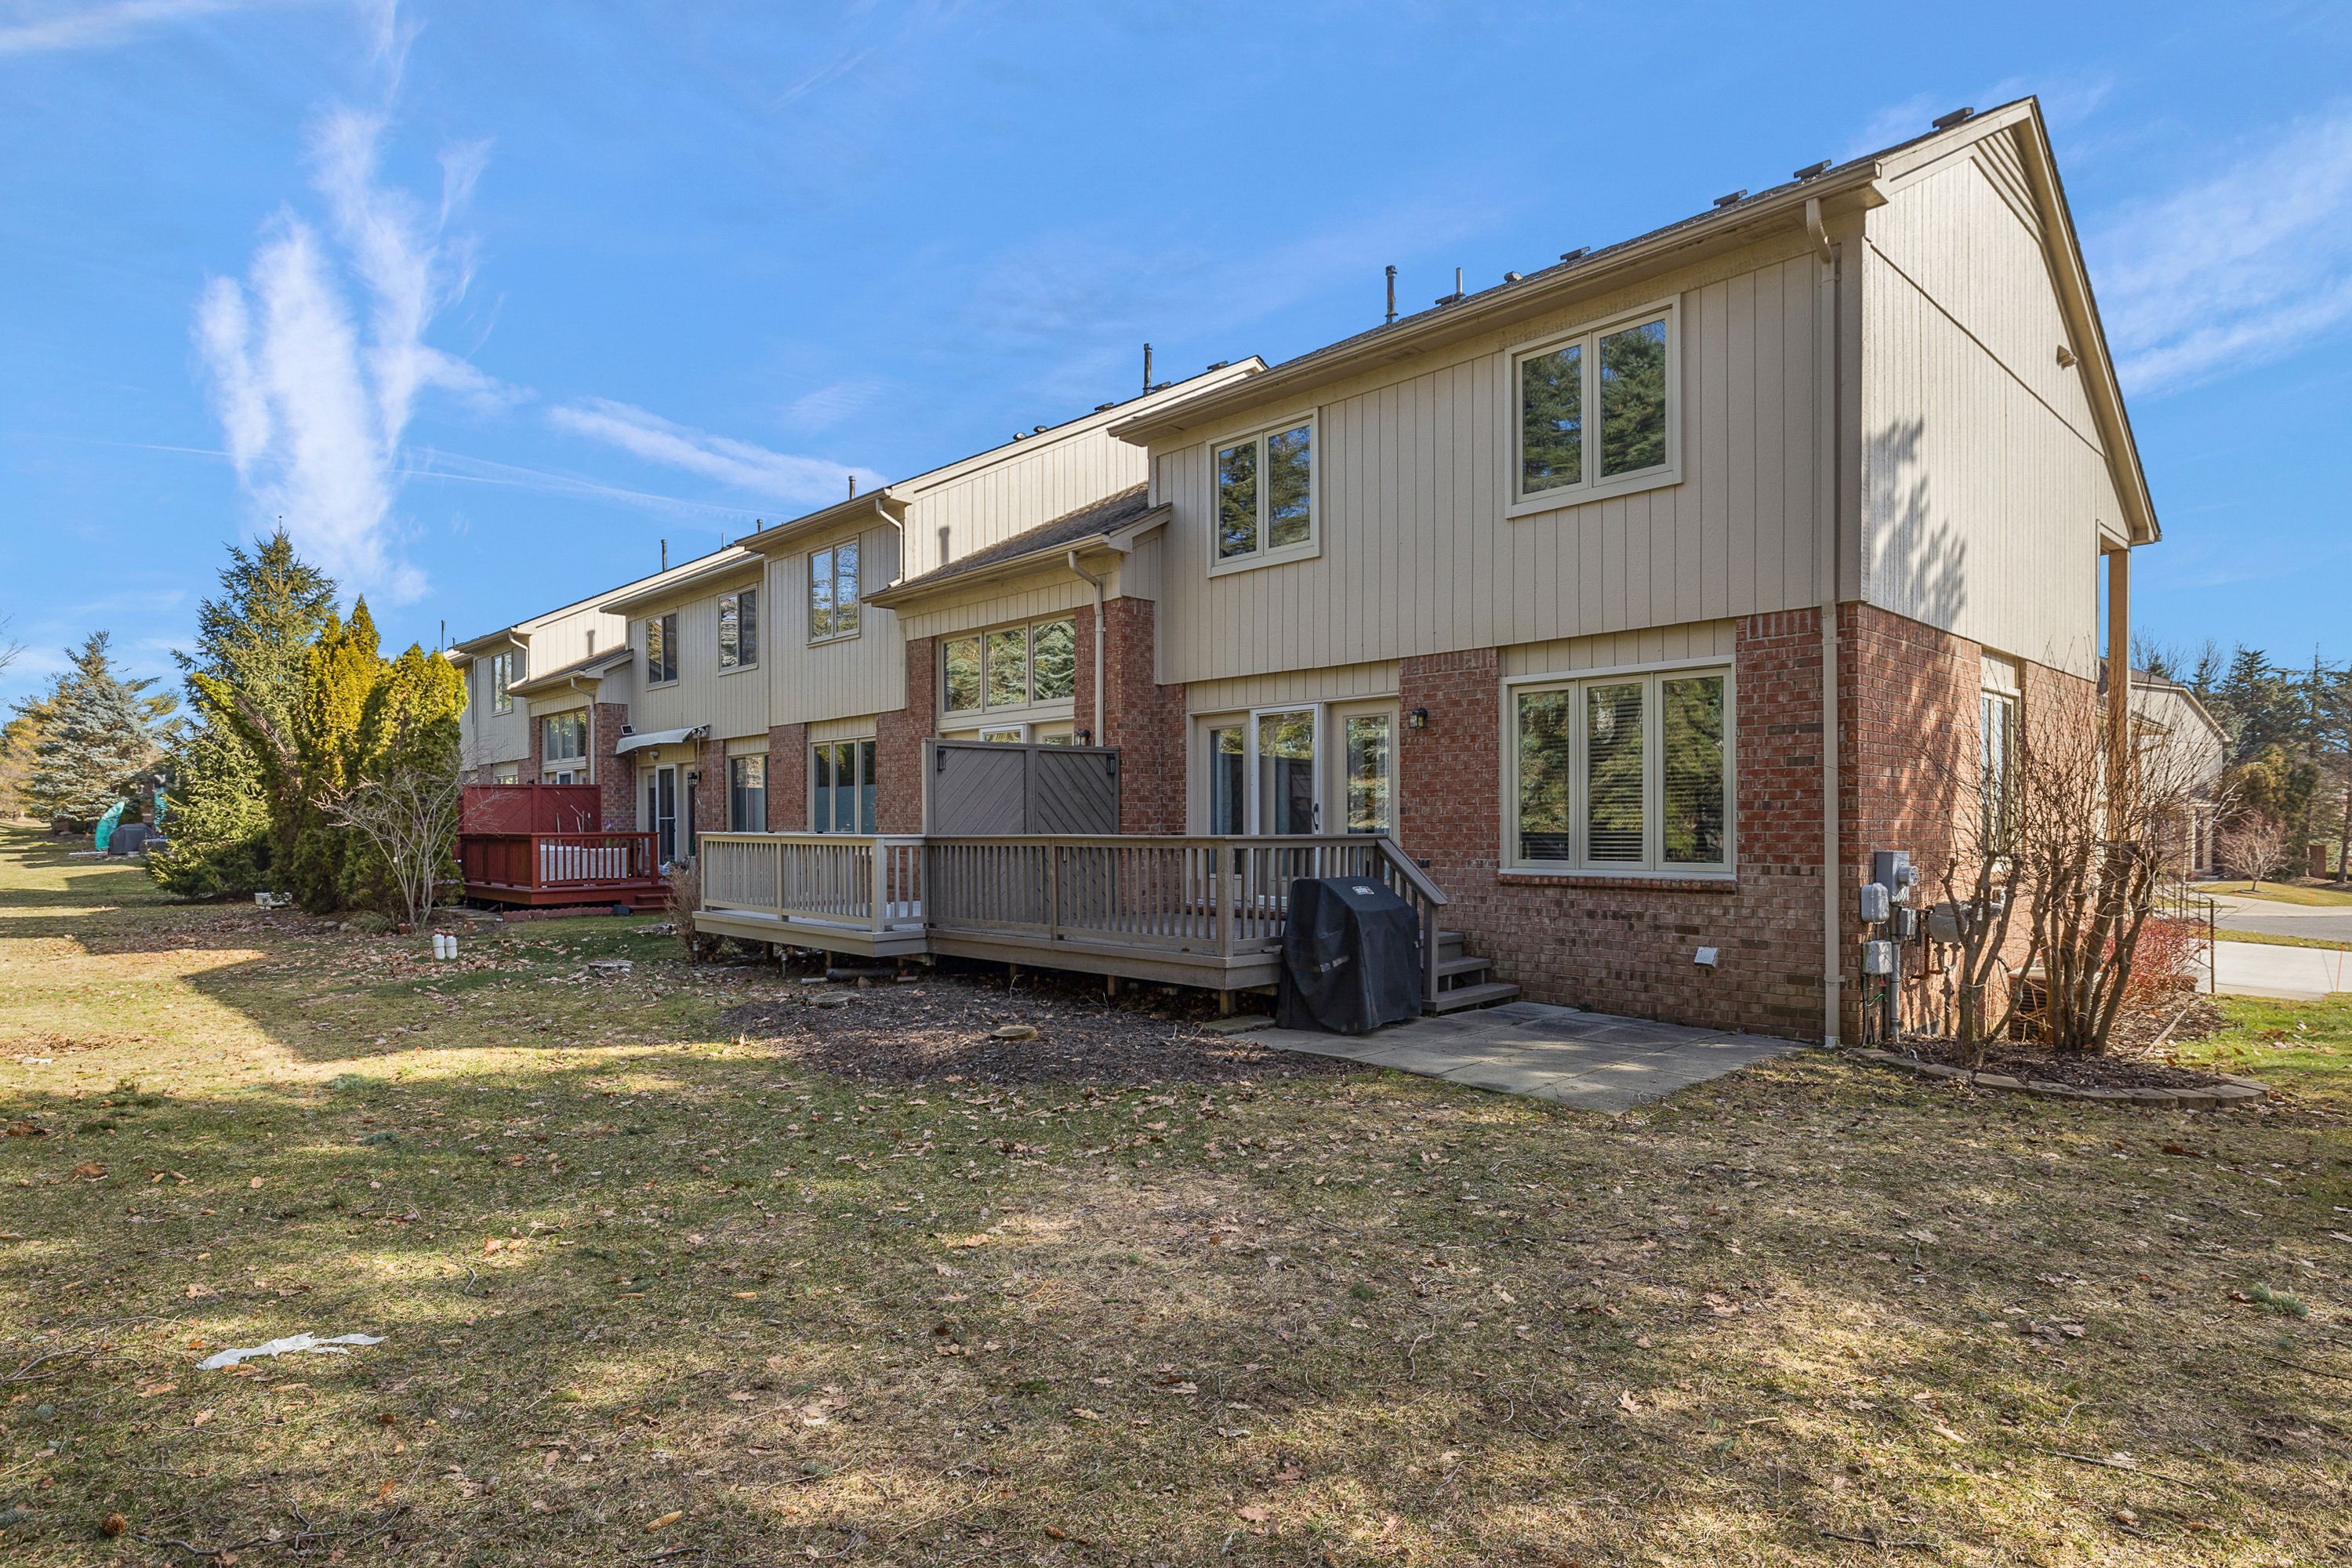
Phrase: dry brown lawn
x=650 y=1292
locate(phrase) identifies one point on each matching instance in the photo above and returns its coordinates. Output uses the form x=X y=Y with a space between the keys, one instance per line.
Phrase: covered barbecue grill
x=1350 y=957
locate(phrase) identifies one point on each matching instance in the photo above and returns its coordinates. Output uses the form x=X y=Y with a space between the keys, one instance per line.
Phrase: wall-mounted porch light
x=1418 y=718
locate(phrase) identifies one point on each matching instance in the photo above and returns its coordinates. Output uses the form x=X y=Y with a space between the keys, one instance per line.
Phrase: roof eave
x=685 y=587
x=885 y=503
x=1115 y=541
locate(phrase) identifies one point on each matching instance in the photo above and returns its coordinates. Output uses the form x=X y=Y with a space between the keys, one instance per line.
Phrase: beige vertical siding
x=731 y=702
x=1417 y=554
x=847 y=676
x=1983 y=481
x=1614 y=650
x=1348 y=681
x=1017 y=492
x=489 y=737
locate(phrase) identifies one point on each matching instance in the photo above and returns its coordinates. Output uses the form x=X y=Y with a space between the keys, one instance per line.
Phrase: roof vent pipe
x=1392 y=320
x=665 y=566
x=852 y=486
x=1945 y=121
x=1147 y=367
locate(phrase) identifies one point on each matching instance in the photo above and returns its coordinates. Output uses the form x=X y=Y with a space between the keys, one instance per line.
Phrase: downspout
x=1827 y=413
x=1101 y=631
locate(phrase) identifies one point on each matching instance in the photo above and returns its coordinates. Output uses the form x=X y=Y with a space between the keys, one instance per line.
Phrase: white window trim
x=1592 y=487
x=548 y=724
x=501 y=692
x=1018 y=732
x=1653 y=786
x=669 y=652
x=759 y=633
x=1266 y=556
x=808 y=590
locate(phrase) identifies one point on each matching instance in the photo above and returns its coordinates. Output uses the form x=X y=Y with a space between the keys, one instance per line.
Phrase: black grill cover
x=1350 y=957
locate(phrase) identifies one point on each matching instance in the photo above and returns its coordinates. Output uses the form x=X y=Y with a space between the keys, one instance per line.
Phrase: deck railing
x=873 y=881
x=553 y=861
x=1225 y=897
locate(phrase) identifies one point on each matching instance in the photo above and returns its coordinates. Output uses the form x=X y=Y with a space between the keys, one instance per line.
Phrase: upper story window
x=505 y=668
x=661 y=648
x=738 y=629
x=567 y=738
x=1014 y=667
x=833 y=591
x=1622 y=773
x=1266 y=494
x=1596 y=413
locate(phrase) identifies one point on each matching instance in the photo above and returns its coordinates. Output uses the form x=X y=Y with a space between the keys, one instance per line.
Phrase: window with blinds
x=1622 y=773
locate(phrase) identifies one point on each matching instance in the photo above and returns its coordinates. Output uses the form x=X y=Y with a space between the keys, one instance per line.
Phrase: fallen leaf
x=200 y=1417
x=114 y=1524
x=1628 y=1403
x=89 y=1171
x=255 y=1183
x=665 y=1522
x=1254 y=1514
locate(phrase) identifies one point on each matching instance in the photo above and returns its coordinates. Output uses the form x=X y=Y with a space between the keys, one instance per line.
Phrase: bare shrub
x=411 y=818
x=2254 y=844
x=2067 y=854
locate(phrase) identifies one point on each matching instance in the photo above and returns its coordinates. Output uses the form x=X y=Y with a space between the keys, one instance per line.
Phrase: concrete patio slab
x=1594 y=1062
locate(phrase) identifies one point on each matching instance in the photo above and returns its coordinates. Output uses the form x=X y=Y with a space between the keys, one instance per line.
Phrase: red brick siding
x=1141 y=716
x=899 y=737
x=1620 y=944
x=617 y=776
x=788 y=778
x=710 y=790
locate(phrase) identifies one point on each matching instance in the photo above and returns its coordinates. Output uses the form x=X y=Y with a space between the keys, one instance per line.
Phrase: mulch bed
x=2133 y=1058
x=942 y=1027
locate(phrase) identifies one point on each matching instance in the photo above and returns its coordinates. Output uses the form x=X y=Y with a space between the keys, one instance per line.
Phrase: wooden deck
x=554 y=870
x=1206 y=912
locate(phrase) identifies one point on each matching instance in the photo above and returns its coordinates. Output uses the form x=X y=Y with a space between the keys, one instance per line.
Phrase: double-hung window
x=747 y=794
x=1014 y=666
x=833 y=591
x=1596 y=413
x=738 y=629
x=1622 y=773
x=661 y=648
x=1264 y=485
x=503 y=680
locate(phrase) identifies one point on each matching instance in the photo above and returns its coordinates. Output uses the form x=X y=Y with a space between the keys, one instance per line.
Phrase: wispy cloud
x=2240 y=266
x=742 y=465
x=37 y=28
x=315 y=394
x=430 y=464
x=831 y=404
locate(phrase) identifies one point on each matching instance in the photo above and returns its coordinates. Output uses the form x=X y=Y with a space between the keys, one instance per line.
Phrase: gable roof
x=1857 y=183
x=594 y=664
x=1104 y=522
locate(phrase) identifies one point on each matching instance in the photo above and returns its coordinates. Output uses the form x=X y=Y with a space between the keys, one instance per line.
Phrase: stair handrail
x=1428 y=898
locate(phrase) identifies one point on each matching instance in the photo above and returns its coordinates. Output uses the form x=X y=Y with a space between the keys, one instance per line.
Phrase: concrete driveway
x=2294 y=973
x=1594 y=1062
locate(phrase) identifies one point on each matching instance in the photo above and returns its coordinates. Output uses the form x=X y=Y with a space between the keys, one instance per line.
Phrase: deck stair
x=1462 y=980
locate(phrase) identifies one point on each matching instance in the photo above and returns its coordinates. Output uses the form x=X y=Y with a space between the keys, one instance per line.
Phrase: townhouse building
x=1631 y=603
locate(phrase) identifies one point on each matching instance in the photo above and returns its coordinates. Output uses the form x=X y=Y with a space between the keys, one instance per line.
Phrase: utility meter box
x=1906 y=924
x=1890 y=869
x=1878 y=958
x=1874 y=903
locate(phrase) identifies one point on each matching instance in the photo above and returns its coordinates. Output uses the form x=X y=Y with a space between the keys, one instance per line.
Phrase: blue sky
x=486 y=301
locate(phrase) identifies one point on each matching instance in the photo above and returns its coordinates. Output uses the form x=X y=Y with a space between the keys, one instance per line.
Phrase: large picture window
x=1015 y=666
x=1622 y=773
x=738 y=629
x=661 y=648
x=1265 y=493
x=833 y=591
x=1596 y=413
x=567 y=738
x=841 y=797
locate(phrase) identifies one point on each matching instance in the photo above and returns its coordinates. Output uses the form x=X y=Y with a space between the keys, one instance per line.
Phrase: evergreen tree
x=101 y=734
x=250 y=646
x=339 y=671
x=408 y=726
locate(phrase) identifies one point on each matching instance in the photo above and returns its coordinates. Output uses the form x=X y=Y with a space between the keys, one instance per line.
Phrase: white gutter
x=1101 y=636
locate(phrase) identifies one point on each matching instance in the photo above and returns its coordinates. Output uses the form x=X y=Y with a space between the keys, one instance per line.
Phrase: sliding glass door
x=1284 y=798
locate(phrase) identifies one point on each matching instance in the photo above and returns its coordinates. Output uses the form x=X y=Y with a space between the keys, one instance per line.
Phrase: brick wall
x=1622 y=944
x=788 y=778
x=1141 y=716
x=711 y=792
x=617 y=776
x=534 y=764
x=899 y=737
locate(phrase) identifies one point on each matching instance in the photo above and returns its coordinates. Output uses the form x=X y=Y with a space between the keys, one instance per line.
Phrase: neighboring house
x=1637 y=599
x=2192 y=751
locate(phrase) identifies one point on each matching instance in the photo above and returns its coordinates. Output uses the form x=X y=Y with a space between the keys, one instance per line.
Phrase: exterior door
x=1285 y=797
x=1367 y=771
x=693 y=816
x=661 y=812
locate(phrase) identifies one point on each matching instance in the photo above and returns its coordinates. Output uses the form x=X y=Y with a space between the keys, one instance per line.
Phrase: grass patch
x=2307 y=894
x=648 y=1290
x=2267 y=939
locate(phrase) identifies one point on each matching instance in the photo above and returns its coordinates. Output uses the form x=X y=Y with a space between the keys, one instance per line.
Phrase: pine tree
x=250 y=645
x=408 y=728
x=339 y=672
x=101 y=735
